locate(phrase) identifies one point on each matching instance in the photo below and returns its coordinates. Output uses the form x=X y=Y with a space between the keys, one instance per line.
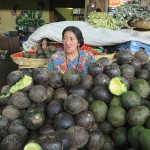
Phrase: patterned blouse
x=59 y=62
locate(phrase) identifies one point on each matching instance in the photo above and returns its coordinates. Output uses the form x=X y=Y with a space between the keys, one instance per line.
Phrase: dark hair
x=77 y=33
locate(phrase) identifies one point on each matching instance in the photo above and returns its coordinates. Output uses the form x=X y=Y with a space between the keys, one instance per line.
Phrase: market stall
x=108 y=108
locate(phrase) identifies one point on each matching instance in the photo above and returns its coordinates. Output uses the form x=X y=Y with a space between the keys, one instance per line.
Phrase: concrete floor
x=6 y=66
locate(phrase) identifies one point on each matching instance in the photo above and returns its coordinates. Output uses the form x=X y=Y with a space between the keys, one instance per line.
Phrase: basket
x=109 y=56
x=28 y=62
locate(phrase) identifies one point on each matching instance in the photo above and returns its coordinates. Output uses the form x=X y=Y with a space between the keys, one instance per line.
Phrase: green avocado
x=144 y=139
x=24 y=82
x=32 y=146
x=117 y=86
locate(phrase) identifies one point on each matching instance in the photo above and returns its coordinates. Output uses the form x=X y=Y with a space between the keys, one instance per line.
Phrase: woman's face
x=70 y=42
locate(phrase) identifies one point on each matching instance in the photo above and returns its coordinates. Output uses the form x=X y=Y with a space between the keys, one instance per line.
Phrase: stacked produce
x=39 y=52
x=103 y=20
x=109 y=108
x=130 y=11
x=33 y=58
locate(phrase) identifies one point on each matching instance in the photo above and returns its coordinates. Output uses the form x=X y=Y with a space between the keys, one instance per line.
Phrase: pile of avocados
x=40 y=53
x=107 y=109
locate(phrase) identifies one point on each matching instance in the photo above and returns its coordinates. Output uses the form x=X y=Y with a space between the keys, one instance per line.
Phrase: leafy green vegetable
x=131 y=11
x=103 y=20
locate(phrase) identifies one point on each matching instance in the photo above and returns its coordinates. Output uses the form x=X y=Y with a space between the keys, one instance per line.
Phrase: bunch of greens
x=103 y=20
x=131 y=11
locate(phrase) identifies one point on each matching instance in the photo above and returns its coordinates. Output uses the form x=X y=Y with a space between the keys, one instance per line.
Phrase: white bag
x=92 y=36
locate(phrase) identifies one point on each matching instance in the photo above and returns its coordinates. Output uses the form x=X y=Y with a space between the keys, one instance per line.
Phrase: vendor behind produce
x=71 y=56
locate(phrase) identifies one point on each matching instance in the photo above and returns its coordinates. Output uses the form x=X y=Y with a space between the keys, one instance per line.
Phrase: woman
x=71 y=56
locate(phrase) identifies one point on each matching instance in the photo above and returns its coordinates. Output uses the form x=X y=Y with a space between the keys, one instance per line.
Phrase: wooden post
x=87 y=3
x=101 y=4
x=51 y=16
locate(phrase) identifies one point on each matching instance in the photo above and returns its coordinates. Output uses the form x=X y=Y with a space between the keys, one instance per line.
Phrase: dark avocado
x=96 y=140
x=12 y=142
x=74 y=104
x=46 y=129
x=33 y=55
x=41 y=76
x=142 y=55
x=127 y=71
x=87 y=81
x=34 y=119
x=136 y=63
x=20 y=100
x=38 y=93
x=79 y=90
x=85 y=119
x=4 y=124
x=49 y=142
x=65 y=138
x=79 y=136
x=11 y=112
x=72 y=77
x=146 y=66
x=112 y=71
x=63 y=120
x=56 y=79
x=101 y=80
x=17 y=127
x=101 y=93
x=142 y=74
x=54 y=107
x=13 y=77
x=40 y=51
x=94 y=69
x=104 y=61
x=124 y=56
x=60 y=93
x=25 y=54
x=50 y=92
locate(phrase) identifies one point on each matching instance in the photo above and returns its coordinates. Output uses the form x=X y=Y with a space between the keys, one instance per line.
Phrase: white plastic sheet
x=92 y=36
